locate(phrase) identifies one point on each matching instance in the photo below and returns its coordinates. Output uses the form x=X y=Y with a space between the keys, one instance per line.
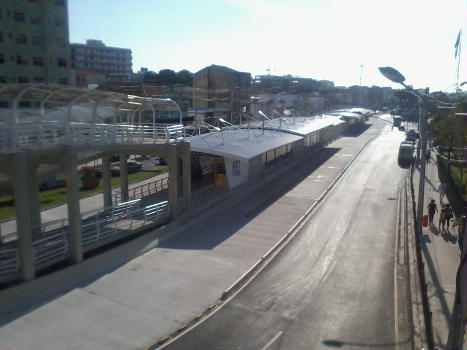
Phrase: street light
x=395 y=76
x=457 y=325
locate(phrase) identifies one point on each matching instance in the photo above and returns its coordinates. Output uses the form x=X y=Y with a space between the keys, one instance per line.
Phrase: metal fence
x=28 y=133
x=103 y=226
x=146 y=189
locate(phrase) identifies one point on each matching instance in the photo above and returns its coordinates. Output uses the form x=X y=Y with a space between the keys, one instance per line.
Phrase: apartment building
x=222 y=87
x=34 y=44
x=114 y=62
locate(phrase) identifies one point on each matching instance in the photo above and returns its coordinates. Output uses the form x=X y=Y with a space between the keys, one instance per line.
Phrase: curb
x=416 y=307
x=293 y=230
x=260 y=264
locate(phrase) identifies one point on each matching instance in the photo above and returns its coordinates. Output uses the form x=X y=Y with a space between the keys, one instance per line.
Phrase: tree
x=185 y=77
x=167 y=77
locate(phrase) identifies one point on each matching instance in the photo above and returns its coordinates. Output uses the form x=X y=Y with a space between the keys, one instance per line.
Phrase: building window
x=21 y=39
x=60 y=41
x=21 y=61
x=23 y=80
x=35 y=1
x=61 y=62
x=60 y=3
x=2 y=58
x=63 y=81
x=18 y=16
x=59 y=22
x=36 y=19
x=37 y=41
x=1 y=37
x=38 y=80
x=2 y=80
x=38 y=61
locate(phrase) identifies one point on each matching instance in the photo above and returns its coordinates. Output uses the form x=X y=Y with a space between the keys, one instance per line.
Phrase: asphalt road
x=333 y=285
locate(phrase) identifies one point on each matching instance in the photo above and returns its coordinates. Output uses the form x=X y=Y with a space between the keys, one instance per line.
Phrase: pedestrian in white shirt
x=442 y=192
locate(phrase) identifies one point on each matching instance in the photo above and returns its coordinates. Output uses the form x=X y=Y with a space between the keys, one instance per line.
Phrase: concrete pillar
x=172 y=161
x=34 y=203
x=107 y=187
x=74 y=214
x=186 y=175
x=123 y=178
x=19 y=179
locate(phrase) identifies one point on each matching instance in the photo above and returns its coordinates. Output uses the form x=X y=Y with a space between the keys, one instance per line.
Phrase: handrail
x=55 y=245
x=143 y=190
x=29 y=133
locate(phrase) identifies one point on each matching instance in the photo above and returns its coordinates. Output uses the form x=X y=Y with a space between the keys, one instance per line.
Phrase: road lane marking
x=396 y=260
x=269 y=343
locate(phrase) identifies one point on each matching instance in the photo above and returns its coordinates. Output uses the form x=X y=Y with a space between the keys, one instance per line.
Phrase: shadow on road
x=439 y=291
x=356 y=130
x=343 y=344
x=216 y=229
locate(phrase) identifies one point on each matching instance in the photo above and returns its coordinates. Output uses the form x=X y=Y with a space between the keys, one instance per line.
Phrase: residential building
x=34 y=45
x=114 y=62
x=222 y=87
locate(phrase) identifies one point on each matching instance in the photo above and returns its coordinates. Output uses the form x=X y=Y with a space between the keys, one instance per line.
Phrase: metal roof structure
x=34 y=101
x=240 y=143
x=246 y=142
x=300 y=126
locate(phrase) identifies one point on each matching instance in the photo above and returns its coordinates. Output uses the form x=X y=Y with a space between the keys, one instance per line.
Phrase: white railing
x=144 y=190
x=26 y=134
x=9 y=261
x=105 y=224
x=51 y=247
x=104 y=228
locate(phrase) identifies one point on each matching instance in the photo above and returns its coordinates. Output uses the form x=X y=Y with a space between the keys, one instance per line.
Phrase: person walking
x=442 y=219
x=442 y=192
x=449 y=215
x=432 y=209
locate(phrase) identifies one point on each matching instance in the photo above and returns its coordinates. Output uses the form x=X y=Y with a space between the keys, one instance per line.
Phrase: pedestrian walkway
x=132 y=295
x=441 y=256
x=93 y=202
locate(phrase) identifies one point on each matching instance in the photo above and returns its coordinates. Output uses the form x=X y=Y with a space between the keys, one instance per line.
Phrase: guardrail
x=26 y=134
x=144 y=190
x=107 y=224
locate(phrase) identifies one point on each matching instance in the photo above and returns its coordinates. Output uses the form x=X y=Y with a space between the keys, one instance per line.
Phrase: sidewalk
x=130 y=296
x=93 y=202
x=441 y=256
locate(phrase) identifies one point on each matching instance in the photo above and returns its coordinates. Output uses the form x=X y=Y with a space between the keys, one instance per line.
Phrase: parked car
x=412 y=135
x=52 y=181
x=405 y=152
x=133 y=167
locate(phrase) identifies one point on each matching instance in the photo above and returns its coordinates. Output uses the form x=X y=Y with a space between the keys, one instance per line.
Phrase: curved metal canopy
x=44 y=99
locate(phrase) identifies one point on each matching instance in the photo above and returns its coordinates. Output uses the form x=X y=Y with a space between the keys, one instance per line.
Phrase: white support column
x=123 y=177
x=34 y=203
x=74 y=214
x=19 y=179
x=107 y=187
x=172 y=161
x=186 y=176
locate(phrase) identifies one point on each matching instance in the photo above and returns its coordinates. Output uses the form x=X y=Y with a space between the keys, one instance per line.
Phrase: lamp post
x=395 y=76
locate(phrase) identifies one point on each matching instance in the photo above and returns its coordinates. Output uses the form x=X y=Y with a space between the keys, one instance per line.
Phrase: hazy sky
x=320 y=39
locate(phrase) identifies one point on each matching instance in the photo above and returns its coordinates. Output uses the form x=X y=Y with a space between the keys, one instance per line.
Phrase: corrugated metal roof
x=244 y=143
x=301 y=125
x=240 y=143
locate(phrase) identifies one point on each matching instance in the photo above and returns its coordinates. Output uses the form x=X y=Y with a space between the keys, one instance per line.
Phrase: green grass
x=56 y=197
